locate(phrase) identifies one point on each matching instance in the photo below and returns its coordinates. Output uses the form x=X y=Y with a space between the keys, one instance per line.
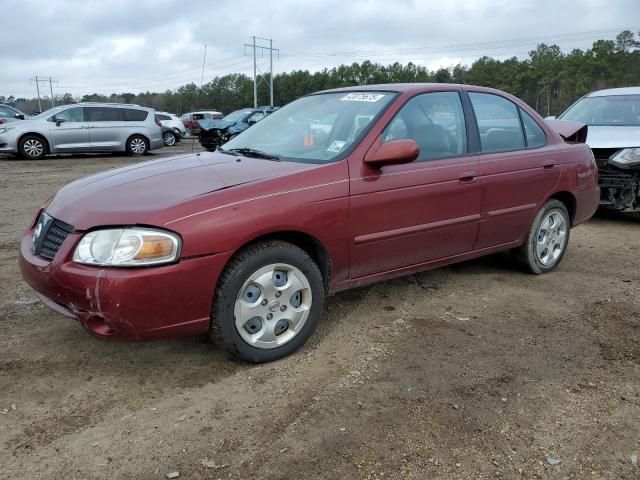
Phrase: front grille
x=53 y=234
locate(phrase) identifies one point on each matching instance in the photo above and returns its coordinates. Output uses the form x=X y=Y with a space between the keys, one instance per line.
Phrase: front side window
x=6 y=113
x=435 y=121
x=316 y=128
x=71 y=115
x=612 y=110
x=498 y=122
x=102 y=114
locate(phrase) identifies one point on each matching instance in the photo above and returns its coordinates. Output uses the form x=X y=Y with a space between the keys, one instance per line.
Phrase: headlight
x=628 y=157
x=6 y=129
x=127 y=247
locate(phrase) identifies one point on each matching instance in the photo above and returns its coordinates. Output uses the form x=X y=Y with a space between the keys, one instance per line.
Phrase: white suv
x=172 y=121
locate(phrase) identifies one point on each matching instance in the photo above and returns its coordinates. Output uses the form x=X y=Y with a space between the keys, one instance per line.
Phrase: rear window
x=133 y=115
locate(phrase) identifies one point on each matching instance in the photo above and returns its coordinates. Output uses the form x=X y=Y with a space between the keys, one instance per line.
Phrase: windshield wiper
x=252 y=152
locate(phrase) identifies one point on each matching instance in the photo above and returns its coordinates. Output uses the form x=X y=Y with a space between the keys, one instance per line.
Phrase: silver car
x=613 y=119
x=82 y=128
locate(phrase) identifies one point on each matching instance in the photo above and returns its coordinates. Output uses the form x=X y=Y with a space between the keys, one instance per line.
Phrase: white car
x=172 y=121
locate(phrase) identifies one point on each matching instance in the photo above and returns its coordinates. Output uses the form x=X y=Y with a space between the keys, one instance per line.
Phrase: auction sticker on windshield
x=362 y=97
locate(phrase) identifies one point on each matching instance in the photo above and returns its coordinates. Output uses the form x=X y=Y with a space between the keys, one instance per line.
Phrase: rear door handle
x=549 y=166
x=467 y=177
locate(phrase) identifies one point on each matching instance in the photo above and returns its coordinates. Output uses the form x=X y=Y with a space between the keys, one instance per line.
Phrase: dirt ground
x=472 y=371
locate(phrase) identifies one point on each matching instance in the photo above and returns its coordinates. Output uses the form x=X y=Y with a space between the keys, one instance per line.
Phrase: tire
x=170 y=139
x=283 y=315
x=137 y=146
x=547 y=240
x=32 y=147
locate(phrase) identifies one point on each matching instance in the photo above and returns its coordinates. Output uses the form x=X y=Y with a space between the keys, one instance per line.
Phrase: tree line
x=548 y=79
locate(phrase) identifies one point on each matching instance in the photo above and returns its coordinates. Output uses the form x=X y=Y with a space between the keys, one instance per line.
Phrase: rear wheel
x=137 y=145
x=268 y=303
x=548 y=238
x=32 y=147
x=170 y=139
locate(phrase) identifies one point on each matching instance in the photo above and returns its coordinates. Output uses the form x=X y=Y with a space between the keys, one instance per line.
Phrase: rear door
x=107 y=128
x=69 y=131
x=404 y=215
x=519 y=170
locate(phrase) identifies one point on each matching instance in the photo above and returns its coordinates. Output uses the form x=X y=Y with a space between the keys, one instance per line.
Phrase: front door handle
x=467 y=177
x=549 y=166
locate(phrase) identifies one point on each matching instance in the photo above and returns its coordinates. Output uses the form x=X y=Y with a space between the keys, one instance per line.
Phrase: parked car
x=170 y=136
x=172 y=121
x=214 y=133
x=246 y=242
x=10 y=114
x=613 y=117
x=84 y=127
x=191 y=119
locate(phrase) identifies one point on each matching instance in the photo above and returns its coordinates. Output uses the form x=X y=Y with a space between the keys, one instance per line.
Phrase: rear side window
x=133 y=115
x=498 y=122
x=535 y=134
x=435 y=121
x=163 y=117
x=102 y=114
x=199 y=116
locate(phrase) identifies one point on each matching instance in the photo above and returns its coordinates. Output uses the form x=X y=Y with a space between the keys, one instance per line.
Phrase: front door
x=405 y=215
x=69 y=131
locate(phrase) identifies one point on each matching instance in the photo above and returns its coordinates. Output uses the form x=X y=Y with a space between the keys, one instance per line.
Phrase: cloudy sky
x=130 y=46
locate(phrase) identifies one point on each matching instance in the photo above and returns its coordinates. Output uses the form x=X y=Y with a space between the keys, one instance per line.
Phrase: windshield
x=316 y=128
x=613 y=110
x=238 y=115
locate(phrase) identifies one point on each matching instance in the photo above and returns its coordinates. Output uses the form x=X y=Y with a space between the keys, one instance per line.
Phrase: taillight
x=1 y=121
x=158 y=123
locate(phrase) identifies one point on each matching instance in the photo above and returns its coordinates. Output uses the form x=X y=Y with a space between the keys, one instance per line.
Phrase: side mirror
x=59 y=121
x=394 y=152
x=552 y=117
x=19 y=116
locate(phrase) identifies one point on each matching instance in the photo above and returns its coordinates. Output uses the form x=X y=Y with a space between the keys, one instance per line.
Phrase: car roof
x=407 y=87
x=112 y=104
x=202 y=111
x=615 y=91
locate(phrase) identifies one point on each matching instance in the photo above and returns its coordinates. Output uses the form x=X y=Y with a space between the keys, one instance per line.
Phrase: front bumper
x=125 y=303
x=8 y=143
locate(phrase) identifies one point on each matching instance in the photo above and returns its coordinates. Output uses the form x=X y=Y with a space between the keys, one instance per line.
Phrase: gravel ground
x=472 y=371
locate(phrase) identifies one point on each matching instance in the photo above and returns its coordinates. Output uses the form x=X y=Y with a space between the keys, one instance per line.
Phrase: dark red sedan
x=335 y=190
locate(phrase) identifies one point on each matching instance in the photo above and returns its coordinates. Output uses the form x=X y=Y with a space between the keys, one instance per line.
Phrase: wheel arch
x=569 y=201
x=307 y=242
x=138 y=134
x=47 y=146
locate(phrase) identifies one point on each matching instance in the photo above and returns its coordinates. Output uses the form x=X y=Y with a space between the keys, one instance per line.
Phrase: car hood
x=213 y=124
x=143 y=193
x=613 y=137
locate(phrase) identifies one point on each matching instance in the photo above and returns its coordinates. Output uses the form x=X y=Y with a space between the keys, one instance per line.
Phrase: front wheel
x=32 y=147
x=548 y=238
x=268 y=303
x=137 y=145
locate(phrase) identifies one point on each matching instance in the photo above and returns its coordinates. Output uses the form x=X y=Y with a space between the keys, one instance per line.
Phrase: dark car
x=245 y=243
x=10 y=114
x=214 y=133
x=191 y=119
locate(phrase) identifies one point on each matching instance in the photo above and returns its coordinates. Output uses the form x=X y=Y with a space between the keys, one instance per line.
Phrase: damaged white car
x=613 y=118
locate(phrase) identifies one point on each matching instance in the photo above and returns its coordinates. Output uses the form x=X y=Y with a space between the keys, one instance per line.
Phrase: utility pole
x=259 y=78
x=204 y=60
x=51 y=81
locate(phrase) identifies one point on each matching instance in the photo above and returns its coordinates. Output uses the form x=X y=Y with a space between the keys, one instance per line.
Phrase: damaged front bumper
x=127 y=304
x=619 y=185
